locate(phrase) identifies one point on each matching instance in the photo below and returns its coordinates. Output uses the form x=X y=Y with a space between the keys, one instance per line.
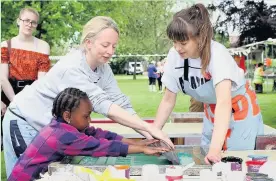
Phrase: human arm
x=165 y=108
x=222 y=119
x=144 y=142
x=117 y=97
x=122 y=116
x=3 y=108
x=44 y=62
x=155 y=69
x=169 y=98
x=102 y=104
x=5 y=83
x=225 y=80
x=74 y=144
x=262 y=72
x=99 y=133
x=156 y=151
x=99 y=98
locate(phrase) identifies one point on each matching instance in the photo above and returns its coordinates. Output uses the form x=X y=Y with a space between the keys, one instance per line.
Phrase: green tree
x=222 y=37
x=142 y=23
x=255 y=20
x=145 y=30
x=60 y=21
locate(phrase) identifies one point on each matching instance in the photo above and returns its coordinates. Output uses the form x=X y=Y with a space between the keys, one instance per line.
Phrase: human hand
x=156 y=151
x=159 y=134
x=212 y=157
x=3 y=108
x=170 y=155
x=146 y=142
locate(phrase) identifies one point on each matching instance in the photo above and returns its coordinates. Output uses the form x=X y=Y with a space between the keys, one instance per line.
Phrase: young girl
x=69 y=134
x=204 y=69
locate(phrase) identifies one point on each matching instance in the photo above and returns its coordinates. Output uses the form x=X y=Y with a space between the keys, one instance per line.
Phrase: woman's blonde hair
x=29 y=9
x=96 y=25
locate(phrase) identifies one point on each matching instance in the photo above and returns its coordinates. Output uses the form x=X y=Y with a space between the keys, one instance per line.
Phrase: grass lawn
x=3 y=170
x=146 y=103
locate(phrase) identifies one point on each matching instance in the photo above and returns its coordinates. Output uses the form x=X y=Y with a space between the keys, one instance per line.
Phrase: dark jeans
x=17 y=85
x=152 y=81
x=274 y=85
x=159 y=82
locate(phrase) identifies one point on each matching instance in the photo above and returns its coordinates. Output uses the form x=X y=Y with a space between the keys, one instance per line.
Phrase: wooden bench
x=187 y=117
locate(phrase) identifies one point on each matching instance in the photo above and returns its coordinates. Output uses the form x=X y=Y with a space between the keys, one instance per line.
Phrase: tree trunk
x=134 y=73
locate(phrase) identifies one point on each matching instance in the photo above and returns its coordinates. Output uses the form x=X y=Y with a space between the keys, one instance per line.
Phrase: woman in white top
x=86 y=69
x=204 y=69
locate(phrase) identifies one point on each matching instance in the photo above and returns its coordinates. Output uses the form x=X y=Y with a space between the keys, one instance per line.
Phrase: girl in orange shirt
x=25 y=58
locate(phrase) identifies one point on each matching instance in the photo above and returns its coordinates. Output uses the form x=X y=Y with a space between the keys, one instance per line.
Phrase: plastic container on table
x=124 y=170
x=262 y=179
x=150 y=171
x=174 y=173
x=206 y=174
x=254 y=166
x=236 y=162
x=258 y=157
x=251 y=176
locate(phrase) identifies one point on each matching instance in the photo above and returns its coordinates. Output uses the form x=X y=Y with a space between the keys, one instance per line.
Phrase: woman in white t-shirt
x=204 y=69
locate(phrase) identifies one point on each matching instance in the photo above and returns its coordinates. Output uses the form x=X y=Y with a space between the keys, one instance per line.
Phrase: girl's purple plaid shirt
x=57 y=140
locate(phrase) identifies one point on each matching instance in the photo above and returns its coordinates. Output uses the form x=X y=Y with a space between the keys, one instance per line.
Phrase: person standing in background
x=258 y=78
x=152 y=76
x=24 y=58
